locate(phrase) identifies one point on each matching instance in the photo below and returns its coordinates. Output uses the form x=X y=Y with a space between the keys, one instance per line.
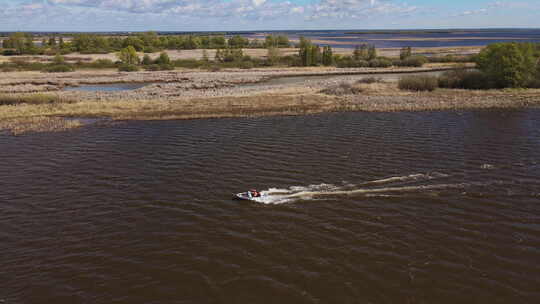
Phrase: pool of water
x=113 y=87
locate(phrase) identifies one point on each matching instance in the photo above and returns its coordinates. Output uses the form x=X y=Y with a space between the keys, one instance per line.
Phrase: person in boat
x=254 y=193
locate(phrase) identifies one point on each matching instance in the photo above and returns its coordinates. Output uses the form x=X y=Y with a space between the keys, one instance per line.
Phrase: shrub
x=59 y=68
x=464 y=79
x=128 y=68
x=418 y=83
x=9 y=53
x=349 y=62
x=102 y=63
x=146 y=60
x=343 y=88
x=370 y=79
x=163 y=59
x=159 y=67
x=451 y=58
x=380 y=63
x=413 y=61
x=128 y=56
x=188 y=63
x=246 y=65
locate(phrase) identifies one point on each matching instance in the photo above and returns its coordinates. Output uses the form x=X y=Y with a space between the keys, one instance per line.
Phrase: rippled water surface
x=439 y=207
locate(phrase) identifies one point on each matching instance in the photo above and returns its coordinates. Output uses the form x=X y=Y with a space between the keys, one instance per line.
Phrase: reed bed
x=39 y=98
x=22 y=125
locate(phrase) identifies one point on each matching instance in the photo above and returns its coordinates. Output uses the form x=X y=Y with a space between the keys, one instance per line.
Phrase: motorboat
x=251 y=195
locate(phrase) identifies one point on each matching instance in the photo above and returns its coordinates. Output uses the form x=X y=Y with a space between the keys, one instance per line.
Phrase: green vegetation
x=405 y=53
x=11 y=99
x=148 y=42
x=128 y=56
x=509 y=64
x=418 y=83
x=500 y=65
x=129 y=59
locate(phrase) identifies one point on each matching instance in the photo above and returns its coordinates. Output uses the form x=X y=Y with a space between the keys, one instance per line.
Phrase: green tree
x=52 y=41
x=327 y=56
x=146 y=60
x=310 y=54
x=372 y=52
x=405 y=53
x=303 y=43
x=163 y=59
x=218 y=42
x=58 y=59
x=270 y=41
x=273 y=54
x=128 y=56
x=283 y=41
x=360 y=52
x=16 y=41
x=238 y=41
x=508 y=64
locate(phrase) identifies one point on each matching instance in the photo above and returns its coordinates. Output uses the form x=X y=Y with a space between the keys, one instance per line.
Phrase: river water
x=428 y=207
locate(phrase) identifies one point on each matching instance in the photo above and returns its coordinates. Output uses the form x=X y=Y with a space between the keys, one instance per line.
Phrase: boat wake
x=387 y=187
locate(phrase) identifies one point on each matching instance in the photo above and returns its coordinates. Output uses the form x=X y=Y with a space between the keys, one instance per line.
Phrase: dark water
x=384 y=39
x=439 y=207
x=113 y=87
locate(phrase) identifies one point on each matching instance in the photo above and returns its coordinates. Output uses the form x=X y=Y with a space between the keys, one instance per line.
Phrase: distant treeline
x=149 y=42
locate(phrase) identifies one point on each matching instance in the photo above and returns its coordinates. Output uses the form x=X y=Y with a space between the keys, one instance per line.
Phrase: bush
x=9 y=53
x=188 y=63
x=343 y=88
x=418 y=83
x=349 y=62
x=159 y=67
x=59 y=68
x=464 y=79
x=380 y=63
x=101 y=64
x=413 y=61
x=370 y=79
x=246 y=65
x=451 y=58
x=128 y=68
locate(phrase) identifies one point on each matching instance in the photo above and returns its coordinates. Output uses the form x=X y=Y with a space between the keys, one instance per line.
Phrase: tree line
x=148 y=42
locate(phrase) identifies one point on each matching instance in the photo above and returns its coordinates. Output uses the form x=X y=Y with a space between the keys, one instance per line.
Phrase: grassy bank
x=370 y=96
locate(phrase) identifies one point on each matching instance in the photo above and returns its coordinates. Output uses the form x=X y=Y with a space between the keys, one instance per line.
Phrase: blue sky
x=219 y=15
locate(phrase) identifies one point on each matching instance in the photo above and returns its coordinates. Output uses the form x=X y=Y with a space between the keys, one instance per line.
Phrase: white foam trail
x=295 y=193
x=411 y=177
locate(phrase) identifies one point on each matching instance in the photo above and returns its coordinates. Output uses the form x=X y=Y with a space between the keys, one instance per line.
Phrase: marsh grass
x=418 y=83
x=369 y=80
x=343 y=88
x=34 y=99
x=22 y=125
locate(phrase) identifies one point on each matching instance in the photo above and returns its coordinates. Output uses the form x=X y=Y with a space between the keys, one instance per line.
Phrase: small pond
x=111 y=87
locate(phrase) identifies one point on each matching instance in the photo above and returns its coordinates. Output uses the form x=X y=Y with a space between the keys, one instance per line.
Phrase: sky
x=251 y=15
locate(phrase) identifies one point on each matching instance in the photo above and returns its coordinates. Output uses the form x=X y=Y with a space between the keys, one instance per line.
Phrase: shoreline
x=238 y=93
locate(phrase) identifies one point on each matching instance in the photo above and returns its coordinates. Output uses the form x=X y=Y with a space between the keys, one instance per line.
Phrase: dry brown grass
x=21 y=125
x=296 y=99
